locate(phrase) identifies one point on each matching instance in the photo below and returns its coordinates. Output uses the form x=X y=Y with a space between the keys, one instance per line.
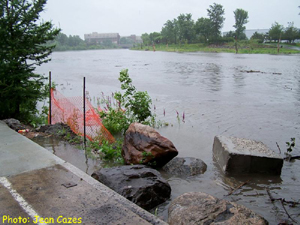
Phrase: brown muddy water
x=248 y=96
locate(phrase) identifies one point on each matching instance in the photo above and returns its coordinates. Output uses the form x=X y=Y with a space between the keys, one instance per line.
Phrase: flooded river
x=248 y=96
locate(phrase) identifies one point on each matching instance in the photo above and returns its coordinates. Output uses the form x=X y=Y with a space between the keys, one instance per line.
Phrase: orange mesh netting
x=70 y=111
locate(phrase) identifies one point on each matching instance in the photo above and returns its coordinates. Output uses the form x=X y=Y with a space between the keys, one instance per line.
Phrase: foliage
x=145 y=156
x=258 y=36
x=125 y=40
x=111 y=152
x=275 y=31
x=146 y=39
x=185 y=27
x=170 y=31
x=203 y=28
x=74 y=42
x=183 y=30
x=115 y=120
x=226 y=45
x=290 y=145
x=215 y=14
x=136 y=104
x=291 y=33
x=23 y=47
x=241 y=18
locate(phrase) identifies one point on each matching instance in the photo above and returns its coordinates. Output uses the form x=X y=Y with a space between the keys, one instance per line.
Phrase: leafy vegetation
x=131 y=106
x=23 y=47
x=63 y=42
x=290 y=145
x=183 y=30
x=111 y=152
x=245 y=47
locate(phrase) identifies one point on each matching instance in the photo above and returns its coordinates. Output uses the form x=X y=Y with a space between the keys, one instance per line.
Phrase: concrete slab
x=43 y=190
x=238 y=155
x=18 y=154
x=31 y=188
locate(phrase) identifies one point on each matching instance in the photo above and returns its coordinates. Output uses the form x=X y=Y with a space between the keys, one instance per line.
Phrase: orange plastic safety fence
x=70 y=111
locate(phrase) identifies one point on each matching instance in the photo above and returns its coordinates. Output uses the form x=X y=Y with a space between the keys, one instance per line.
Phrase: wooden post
x=84 y=130
x=50 y=105
x=278 y=43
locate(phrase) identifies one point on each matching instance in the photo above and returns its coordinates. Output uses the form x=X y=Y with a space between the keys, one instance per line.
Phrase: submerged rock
x=199 y=208
x=185 y=167
x=239 y=155
x=140 y=184
x=144 y=145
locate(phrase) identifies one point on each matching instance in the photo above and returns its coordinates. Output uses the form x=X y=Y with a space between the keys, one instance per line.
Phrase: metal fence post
x=84 y=130
x=50 y=106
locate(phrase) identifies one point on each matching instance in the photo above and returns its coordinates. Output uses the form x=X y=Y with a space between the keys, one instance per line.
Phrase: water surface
x=248 y=96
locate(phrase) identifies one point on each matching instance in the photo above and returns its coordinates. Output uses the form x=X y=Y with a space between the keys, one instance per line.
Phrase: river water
x=248 y=96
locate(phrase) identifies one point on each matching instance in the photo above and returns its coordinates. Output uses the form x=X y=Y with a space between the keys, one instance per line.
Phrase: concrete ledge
x=238 y=155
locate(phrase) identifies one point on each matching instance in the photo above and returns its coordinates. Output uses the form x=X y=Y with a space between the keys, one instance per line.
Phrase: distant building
x=249 y=33
x=96 y=38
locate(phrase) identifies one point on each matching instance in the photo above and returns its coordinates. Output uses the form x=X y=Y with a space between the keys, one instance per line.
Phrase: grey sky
x=77 y=17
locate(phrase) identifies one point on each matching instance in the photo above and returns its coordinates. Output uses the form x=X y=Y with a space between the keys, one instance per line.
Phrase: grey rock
x=14 y=124
x=197 y=208
x=138 y=183
x=185 y=167
x=239 y=155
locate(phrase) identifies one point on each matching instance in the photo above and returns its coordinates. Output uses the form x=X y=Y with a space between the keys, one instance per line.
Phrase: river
x=248 y=96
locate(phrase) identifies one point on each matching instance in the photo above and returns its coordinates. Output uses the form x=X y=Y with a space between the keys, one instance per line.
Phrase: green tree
x=291 y=33
x=155 y=37
x=146 y=39
x=275 y=32
x=258 y=36
x=203 y=28
x=215 y=14
x=62 y=39
x=241 y=18
x=185 y=25
x=23 y=46
x=170 y=32
x=74 y=41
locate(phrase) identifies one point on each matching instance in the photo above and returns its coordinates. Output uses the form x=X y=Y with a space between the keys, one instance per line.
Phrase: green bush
x=131 y=106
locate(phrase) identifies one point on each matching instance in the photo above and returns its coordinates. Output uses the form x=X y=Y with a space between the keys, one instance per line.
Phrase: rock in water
x=140 y=184
x=144 y=145
x=185 y=167
x=199 y=208
x=239 y=155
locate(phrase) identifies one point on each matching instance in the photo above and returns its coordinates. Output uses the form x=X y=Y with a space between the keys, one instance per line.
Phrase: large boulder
x=239 y=155
x=144 y=145
x=199 y=208
x=185 y=167
x=138 y=183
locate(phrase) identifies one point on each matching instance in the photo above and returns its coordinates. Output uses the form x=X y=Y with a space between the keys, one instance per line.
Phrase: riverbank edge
x=262 y=49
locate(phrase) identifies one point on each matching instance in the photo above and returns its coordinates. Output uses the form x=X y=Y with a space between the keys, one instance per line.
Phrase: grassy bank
x=244 y=48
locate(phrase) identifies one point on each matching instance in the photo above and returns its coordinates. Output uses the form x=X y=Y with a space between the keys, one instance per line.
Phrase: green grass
x=245 y=47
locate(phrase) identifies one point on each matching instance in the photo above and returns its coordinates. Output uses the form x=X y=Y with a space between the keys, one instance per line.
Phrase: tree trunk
x=278 y=43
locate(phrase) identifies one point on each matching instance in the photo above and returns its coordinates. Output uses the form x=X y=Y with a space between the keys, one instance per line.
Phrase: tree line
x=184 y=29
x=63 y=42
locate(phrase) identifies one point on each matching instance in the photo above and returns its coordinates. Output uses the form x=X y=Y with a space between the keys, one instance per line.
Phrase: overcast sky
x=126 y=17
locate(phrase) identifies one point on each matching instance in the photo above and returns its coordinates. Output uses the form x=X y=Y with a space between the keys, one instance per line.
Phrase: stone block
x=238 y=155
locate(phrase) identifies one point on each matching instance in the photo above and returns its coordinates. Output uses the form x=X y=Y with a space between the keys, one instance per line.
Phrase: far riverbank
x=243 y=48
